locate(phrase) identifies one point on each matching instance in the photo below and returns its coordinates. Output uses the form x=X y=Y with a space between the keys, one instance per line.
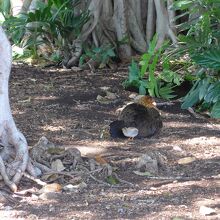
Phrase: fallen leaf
x=57 y=165
x=55 y=150
x=103 y=100
x=111 y=95
x=147 y=163
x=112 y=180
x=107 y=99
x=49 y=177
x=99 y=159
x=53 y=187
x=186 y=160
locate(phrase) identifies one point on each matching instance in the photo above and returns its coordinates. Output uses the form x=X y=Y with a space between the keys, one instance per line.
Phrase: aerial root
x=5 y=177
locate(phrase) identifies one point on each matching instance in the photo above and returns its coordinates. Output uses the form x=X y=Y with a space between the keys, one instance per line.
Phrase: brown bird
x=142 y=115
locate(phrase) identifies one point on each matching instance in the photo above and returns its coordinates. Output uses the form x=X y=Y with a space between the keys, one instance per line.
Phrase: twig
x=60 y=173
x=99 y=181
x=182 y=177
x=36 y=180
x=193 y=113
x=122 y=181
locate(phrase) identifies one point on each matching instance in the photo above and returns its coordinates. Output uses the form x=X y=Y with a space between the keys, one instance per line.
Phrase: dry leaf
x=99 y=159
x=53 y=187
x=111 y=95
x=49 y=177
x=186 y=160
x=57 y=165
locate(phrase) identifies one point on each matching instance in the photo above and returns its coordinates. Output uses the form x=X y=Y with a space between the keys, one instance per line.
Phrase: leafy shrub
x=206 y=89
x=102 y=55
x=143 y=77
x=54 y=25
x=5 y=7
x=202 y=44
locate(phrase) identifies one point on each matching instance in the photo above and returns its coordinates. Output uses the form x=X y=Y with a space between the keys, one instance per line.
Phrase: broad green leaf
x=203 y=89
x=166 y=92
x=170 y=76
x=142 y=90
x=215 y=112
x=192 y=97
x=145 y=59
x=208 y=59
x=213 y=93
x=112 y=180
x=111 y=53
x=182 y=4
x=133 y=71
x=152 y=45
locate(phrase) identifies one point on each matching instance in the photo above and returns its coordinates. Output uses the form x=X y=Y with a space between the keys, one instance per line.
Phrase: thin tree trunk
x=15 y=149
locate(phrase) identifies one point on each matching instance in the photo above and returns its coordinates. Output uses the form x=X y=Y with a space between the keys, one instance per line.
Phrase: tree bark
x=15 y=148
x=121 y=29
x=128 y=25
x=150 y=26
x=163 y=29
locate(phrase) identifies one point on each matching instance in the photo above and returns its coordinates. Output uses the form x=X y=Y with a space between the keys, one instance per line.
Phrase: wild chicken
x=139 y=119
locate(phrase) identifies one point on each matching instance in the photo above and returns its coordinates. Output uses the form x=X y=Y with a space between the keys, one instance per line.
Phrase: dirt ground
x=62 y=106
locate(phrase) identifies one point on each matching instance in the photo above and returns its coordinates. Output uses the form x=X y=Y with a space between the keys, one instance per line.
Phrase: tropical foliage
x=145 y=77
x=201 y=42
x=54 y=25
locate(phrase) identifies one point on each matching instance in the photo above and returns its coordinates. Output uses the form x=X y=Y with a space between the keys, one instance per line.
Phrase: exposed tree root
x=128 y=23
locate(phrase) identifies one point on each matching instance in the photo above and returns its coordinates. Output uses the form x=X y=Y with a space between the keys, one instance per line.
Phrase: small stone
x=8 y=208
x=34 y=197
x=204 y=210
x=146 y=163
x=177 y=148
x=121 y=211
x=51 y=208
x=75 y=188
x=105 y=88
x=57 y=165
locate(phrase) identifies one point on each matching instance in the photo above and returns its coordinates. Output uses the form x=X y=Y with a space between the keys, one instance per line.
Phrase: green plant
x=206 y=94
x=160 y=85
x=202 y=44
x=5 y=7
x=101 y=55
x=53 y=24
